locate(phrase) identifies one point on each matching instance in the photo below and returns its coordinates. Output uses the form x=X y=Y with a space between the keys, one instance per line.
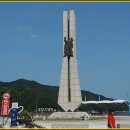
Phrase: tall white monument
x=69 y=91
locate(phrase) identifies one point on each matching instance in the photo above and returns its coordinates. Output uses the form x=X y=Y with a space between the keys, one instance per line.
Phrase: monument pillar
x=69 y=97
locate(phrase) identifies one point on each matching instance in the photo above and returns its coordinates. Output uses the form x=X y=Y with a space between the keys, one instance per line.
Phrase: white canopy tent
x=104 y=101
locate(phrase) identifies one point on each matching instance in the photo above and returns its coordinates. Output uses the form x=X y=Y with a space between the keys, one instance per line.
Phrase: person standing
x=111 y=119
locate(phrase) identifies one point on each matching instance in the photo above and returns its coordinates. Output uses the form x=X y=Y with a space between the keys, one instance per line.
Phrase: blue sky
x=31 y=44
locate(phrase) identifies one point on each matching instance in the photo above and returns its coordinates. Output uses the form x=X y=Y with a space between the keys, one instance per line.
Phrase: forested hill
x=30 y=93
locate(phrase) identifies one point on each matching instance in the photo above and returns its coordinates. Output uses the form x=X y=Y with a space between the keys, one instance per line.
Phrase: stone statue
x=68 y=47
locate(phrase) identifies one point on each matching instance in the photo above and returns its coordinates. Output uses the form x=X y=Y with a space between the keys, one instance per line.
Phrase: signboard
x=14 y=111
x=14 y=104
x=47 y=109
x=5 y=104
x=13 y=116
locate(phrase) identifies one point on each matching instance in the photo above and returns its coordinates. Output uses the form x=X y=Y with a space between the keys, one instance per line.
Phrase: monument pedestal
x=69 y=115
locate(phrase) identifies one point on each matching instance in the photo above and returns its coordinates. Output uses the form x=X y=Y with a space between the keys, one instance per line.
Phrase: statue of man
x=68 y=47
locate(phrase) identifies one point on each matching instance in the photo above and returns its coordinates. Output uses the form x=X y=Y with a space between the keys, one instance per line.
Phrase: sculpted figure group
x=68 y=47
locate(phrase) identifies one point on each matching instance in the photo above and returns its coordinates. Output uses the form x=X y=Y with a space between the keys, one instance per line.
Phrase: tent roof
x=104 y=101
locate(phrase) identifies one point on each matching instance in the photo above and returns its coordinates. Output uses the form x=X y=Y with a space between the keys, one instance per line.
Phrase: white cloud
x=24 y=28
x=28 y=31
x=34 y=35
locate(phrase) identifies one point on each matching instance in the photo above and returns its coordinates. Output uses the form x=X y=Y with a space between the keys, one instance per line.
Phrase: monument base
x=69 y=115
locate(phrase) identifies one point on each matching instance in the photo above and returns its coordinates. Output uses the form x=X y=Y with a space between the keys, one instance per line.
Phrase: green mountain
x=31 y=94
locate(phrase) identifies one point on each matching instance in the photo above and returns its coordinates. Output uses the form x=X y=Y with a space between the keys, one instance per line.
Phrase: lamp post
x=36 y=108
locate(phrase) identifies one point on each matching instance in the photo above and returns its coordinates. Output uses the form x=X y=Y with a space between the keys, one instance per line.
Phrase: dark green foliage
x=27 y=93
x=13 y=93
x=31 y=94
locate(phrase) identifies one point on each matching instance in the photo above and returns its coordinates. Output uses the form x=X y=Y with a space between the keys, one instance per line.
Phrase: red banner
x=5 y=104
x=5 y=107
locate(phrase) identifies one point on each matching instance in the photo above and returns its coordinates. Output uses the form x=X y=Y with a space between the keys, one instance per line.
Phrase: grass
x=97 y=118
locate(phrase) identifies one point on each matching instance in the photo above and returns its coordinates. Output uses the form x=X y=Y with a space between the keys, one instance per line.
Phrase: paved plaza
x=121 y=121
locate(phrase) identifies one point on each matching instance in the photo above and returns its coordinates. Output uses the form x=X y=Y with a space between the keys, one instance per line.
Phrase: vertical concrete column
x=69 y=30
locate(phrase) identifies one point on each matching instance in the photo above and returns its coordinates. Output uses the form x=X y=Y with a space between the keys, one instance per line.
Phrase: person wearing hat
x=111 y=119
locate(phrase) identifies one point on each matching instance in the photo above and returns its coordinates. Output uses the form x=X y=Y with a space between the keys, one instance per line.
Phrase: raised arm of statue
x=64 y=39
x=72 y=39
x=71 y=42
